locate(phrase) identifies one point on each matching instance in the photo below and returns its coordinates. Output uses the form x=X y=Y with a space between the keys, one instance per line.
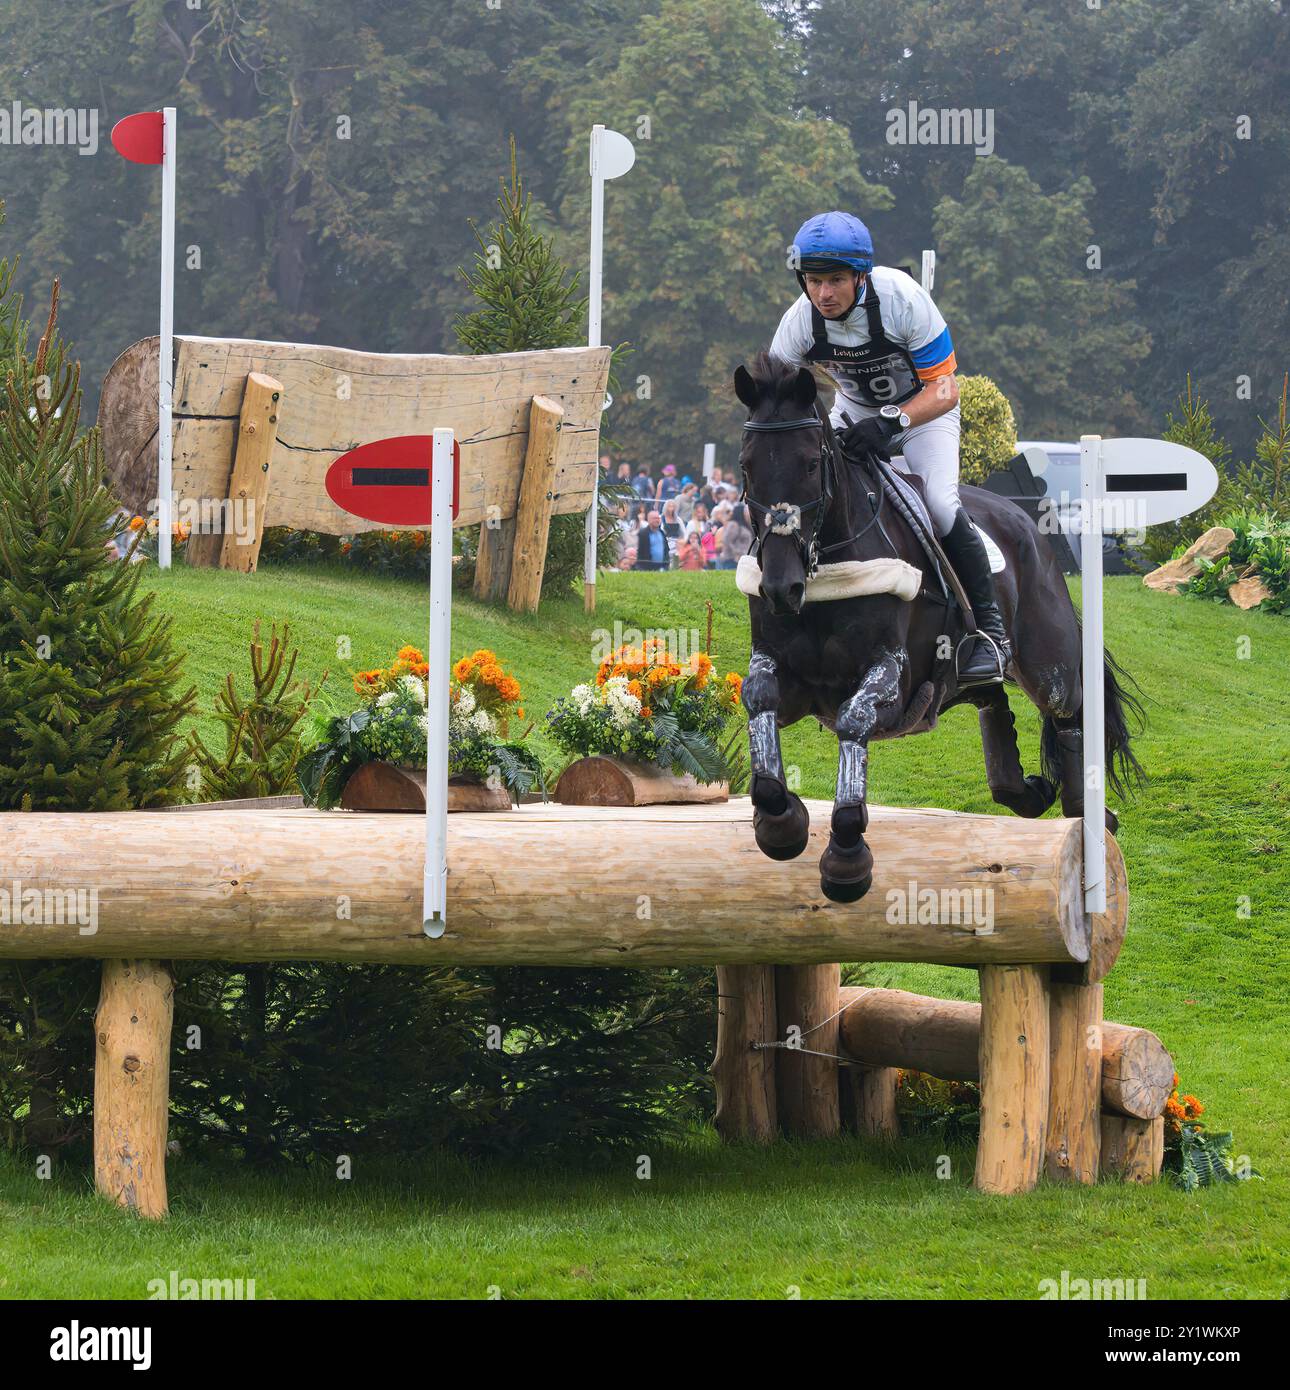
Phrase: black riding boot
x=983 y=661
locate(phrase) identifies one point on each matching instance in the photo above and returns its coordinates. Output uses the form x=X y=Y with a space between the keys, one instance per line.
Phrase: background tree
x=697 y=235
x=1056 y=337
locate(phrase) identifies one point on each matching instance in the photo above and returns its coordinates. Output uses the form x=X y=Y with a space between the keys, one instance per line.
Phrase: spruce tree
x=89 y=706
x=89 y=711
x=528 y=302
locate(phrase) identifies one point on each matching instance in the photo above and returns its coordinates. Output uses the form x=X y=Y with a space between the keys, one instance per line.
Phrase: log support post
x=1133 y=1149
x=493 y=559
x=536 y=501
x=869 y=1101
x=806 y=1086
x=1014 y=1064
x=1073 y=1142
x=744 y=1076
x=132 y=1084
x=235 y=544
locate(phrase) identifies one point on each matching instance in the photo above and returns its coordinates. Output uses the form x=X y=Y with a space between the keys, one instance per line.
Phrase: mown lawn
x=1208 y=851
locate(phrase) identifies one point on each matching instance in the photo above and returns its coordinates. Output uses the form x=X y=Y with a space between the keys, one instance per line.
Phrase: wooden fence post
x=132 y=1084
x=744 y=1078
x=1014 y=1077
x=806 y=1087
x=1073 y=1142
x=533 y=510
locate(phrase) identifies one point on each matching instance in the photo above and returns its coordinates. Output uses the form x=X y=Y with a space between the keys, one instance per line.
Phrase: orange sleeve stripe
x=946 y=368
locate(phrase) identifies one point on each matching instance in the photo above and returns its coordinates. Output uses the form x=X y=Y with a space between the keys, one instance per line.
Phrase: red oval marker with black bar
x=388 y=480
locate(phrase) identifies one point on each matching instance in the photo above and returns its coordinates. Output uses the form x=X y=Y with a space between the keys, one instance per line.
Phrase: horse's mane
x=775 y=379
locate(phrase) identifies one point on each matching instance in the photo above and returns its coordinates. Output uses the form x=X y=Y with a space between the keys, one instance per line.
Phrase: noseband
x=785 y=518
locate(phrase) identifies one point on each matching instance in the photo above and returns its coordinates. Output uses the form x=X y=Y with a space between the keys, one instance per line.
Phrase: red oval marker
x=140 y=137
x=388 y=480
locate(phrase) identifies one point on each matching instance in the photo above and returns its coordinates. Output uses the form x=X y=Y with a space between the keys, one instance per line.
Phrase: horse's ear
x=804 y=388
x=746 y=388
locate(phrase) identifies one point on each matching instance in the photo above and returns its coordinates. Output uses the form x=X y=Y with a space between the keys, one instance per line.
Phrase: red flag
x=139 y=137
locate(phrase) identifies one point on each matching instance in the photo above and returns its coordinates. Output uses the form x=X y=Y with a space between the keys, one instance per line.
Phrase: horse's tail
x=1123 y=770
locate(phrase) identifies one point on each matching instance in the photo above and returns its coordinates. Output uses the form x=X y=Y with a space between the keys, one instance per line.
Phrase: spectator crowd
x=675 y=523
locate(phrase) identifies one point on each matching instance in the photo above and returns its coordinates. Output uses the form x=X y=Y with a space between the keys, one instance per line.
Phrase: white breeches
x=932 y=451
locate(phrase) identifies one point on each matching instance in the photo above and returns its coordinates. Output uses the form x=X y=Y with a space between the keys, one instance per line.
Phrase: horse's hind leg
x=781 y=823
x=1027 y=796
x=1063 y=738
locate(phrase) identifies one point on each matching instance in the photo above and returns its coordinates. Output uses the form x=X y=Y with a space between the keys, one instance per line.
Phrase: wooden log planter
x=563 y=885
x=602 y=781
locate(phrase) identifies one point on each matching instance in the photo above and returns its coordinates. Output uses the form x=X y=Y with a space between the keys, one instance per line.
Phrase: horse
x=878 y=665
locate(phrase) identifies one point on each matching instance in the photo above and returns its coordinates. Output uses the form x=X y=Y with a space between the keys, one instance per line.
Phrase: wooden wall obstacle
x=257 y=424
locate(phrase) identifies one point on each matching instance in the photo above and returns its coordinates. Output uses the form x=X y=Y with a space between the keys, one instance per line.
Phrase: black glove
x=869 y=436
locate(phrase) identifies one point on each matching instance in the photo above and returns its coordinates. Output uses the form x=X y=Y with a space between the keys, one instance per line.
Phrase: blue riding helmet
x=830 y=240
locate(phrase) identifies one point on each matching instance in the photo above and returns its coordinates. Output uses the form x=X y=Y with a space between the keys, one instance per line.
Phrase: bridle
x=785 y=518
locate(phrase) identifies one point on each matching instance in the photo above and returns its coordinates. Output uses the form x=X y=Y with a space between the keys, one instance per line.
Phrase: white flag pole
x=594 y=291
x=929 y=270
x=438 y=658
x=165 y=374
x=1092 y=488
x=612 y=155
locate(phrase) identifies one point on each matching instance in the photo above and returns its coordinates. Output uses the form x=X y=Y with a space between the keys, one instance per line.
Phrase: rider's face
x=833 y=294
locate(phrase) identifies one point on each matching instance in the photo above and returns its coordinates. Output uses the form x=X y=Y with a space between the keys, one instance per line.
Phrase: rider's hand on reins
x=869 y=436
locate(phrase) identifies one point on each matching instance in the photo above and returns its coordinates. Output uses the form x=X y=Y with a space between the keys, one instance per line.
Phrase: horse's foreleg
x=780 y=820
x=846 y=866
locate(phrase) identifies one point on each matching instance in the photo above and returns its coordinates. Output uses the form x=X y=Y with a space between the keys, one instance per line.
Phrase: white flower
x=481 y=722
x=383 y=700
x=423 y=721
x=583 y=698
x=414 y=685
x=465 y=700
x=623 y=705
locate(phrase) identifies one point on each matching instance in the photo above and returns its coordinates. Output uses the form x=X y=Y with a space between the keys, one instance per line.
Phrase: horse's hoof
x=846 y=873
x=1040 y=795
x=786 y=835
x=840 y=892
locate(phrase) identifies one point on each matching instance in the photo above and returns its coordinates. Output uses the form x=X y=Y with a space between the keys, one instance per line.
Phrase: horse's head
x=786 y=477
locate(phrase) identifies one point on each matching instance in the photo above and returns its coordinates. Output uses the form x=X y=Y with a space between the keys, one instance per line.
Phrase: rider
x=878 y=334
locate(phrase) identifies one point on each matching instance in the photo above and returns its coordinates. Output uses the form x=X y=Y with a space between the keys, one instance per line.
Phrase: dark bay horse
x=880 y=665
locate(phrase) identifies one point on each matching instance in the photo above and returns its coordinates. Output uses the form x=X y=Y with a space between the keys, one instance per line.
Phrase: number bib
x=880 y=373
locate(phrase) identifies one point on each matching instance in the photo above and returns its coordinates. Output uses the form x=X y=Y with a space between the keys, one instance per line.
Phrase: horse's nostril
x=796 y=592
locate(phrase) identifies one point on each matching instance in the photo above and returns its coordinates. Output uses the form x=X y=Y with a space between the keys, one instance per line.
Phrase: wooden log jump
x=561 y=885
x=544 y=885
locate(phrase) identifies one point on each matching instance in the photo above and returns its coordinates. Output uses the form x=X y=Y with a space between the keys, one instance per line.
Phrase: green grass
x=843 y=1218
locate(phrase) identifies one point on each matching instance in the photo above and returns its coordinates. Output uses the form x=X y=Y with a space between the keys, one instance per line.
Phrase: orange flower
x=137 y=523
x=509 y=689
x=635 y=688
x=394 y=535
x=418 y=538
x=483 y=655
x=421 y=668
x=1192 y=1108
x=736 y=683
x=410 y=654
x=520 y=712
x=646 y=712
x=345 y=548
x=462 y=670
x=490 y=673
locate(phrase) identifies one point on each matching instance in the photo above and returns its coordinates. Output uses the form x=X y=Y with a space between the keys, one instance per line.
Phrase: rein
x=786 y=518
